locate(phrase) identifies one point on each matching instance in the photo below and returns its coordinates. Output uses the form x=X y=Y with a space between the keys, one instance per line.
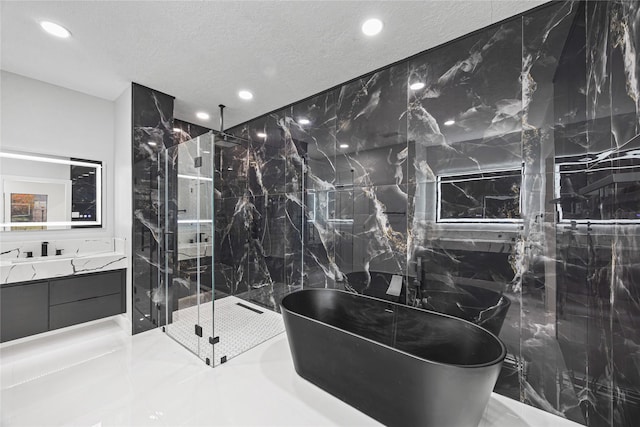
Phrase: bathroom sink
x=40 y=259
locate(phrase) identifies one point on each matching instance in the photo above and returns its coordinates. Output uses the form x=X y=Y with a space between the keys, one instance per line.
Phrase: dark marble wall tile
x=233 y=213
x=184 y=131
x=369 y=203
x=232 y=237
x=583 y=319
x=597 y=248
x=474 y=83
x=268 y=240
x=553 y=125
x=317 y=142
x=371 y=129
x=624 y=199
x=370 y=226
x=265 y=228
x=232 y=170
x=318 y=137
x=294 y=210
x=267 y=164
x=625 y=326
x=295 y=149
x=152 y=132
x=263 y=238
x=624 y=42
x=598 y=72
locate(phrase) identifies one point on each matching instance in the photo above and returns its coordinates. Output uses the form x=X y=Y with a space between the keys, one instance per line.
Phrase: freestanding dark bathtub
x=400 y=365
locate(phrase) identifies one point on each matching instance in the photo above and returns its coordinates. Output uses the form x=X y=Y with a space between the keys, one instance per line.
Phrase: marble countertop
x=27 y=269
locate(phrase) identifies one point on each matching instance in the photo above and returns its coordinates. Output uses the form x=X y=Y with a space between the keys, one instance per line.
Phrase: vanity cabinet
x=29 y=308
x=24 y=310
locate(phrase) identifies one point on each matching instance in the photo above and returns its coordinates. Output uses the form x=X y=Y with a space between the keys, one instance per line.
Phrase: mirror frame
x=6 y=226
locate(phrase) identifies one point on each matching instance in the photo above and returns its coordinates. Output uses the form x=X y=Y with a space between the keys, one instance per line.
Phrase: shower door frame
x=169 y=234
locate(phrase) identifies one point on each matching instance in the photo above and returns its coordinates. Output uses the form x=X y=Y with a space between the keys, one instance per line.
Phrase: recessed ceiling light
x=371 y=27
x=261 y=135
x=177 y=129
x=416 y=86
x=304 y=121
x=202 y=115
x=245 y=94
x=344 y=145
x=449 y=122
x=55 y=29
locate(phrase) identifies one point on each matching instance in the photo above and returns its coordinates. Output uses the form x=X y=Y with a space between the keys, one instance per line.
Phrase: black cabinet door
x=24 y=310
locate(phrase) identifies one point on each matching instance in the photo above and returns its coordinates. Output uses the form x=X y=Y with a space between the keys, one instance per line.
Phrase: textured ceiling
x=203 y=52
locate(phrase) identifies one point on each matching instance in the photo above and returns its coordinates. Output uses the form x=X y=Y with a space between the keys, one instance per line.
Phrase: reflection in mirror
x=479 y=197
x=49 y=193
x=600 y=187
x=339 y=205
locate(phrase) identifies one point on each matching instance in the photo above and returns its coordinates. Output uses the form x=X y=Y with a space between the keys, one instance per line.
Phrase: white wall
x=38 y=117
x=123 y=187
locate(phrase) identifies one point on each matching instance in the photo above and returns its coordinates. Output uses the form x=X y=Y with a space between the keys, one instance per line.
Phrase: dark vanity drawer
x=82 y=287
x=72 y=313
x=24 y=310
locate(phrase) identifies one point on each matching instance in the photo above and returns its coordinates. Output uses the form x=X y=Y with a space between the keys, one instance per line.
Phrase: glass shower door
x=188 y=232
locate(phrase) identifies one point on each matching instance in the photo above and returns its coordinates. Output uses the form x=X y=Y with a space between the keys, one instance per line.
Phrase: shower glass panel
x=246 y=276
x=187 y=225
x=221 y=286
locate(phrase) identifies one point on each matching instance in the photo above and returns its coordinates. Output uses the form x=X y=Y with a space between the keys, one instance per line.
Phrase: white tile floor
x=99 y=376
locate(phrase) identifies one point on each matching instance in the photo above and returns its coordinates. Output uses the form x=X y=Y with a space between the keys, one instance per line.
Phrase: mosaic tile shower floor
x=239 y=324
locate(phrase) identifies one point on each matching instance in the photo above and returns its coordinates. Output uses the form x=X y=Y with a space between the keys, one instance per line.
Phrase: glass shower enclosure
x=206 y=308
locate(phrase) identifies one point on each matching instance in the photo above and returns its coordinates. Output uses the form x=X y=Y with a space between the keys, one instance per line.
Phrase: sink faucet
x=45 y=247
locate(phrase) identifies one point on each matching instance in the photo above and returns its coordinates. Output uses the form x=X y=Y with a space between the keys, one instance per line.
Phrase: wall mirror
x=42 y=192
